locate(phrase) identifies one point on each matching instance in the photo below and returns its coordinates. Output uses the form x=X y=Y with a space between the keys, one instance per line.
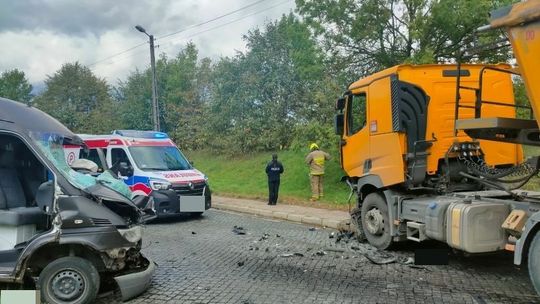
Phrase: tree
x=364 y=36
x=259 y=96
x=79 y=99
x=15 y=86
x=183 y=91
x=134 y=98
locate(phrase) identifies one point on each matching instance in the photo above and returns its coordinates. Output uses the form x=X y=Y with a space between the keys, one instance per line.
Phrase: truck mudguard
x=524 y=241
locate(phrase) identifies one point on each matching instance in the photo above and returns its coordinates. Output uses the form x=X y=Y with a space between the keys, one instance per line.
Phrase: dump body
x=522 y=22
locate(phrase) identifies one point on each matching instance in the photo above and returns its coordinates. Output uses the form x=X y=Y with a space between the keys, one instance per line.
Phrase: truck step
x=416 y=231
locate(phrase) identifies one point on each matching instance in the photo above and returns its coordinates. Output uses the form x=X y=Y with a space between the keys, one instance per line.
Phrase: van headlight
x=160 y=184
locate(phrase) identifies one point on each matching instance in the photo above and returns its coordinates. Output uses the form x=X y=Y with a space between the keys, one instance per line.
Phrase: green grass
x=244 y=176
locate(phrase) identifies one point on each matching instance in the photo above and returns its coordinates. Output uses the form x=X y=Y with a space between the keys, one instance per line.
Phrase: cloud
x=85 y=17
x=39 y=36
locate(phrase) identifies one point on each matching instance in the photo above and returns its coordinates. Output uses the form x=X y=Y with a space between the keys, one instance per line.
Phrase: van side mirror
x=124 y=169
x=339 y=123
x=340 y=104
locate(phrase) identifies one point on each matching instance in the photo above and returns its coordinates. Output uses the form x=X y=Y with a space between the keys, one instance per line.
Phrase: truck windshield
x=159 y=158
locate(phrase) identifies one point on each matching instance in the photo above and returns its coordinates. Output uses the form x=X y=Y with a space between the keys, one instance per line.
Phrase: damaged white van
x=65 y=233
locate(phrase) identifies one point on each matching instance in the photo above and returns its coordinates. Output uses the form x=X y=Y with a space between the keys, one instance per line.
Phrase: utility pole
x=155 y=105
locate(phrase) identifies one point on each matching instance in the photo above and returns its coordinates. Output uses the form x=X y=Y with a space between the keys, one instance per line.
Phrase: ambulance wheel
x=534 y=262
x=196 y=214
x=375 y=222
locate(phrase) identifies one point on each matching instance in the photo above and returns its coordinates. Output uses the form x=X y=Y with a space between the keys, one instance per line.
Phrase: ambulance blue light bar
x=141 y=134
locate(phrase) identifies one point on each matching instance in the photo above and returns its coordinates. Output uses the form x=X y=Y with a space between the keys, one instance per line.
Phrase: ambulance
x=151 y=165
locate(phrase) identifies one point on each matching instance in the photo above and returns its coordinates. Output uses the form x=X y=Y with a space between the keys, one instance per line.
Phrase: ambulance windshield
x=159 y=158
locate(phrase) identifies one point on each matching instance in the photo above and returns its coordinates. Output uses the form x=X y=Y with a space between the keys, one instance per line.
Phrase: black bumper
x=167 y=202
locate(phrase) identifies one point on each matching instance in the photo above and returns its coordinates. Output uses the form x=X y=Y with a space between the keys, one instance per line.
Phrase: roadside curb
x=343 y=224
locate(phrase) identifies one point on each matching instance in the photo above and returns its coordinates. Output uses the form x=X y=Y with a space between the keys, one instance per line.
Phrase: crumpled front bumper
x=133 y=284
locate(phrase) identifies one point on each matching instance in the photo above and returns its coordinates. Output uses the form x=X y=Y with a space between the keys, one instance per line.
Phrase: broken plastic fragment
x=239 y=230
x=380 y=257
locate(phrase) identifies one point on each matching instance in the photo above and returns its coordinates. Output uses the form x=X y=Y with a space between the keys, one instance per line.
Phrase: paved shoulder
x=313 y=216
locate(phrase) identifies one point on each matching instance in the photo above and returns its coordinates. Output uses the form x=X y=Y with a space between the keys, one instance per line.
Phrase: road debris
x=345 y=236
x=331 y=235
x=193 y=232
x=241 y=263
x=380 y=257
x=312 y=229
x=407 y=261
x=239 y=230
x=264 y=237
x=320 y=253
x=334 y=249
x=288 y=255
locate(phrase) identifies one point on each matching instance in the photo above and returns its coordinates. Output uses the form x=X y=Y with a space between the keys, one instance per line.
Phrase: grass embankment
x=244 y=176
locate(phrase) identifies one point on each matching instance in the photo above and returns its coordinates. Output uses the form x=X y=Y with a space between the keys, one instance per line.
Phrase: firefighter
x=315 y=160
x=274 y=169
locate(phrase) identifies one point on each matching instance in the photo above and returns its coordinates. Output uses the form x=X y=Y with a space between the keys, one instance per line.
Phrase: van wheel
x=375 y=221
x=534 y=262
x=69 y=280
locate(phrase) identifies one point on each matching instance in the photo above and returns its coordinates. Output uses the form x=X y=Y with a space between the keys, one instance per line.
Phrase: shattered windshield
x=52 y=146
x=159 y=158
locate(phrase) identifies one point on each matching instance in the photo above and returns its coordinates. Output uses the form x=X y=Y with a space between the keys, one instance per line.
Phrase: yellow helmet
x=313 y=146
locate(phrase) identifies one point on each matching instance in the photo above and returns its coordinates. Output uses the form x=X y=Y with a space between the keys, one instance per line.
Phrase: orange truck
x=435 y=151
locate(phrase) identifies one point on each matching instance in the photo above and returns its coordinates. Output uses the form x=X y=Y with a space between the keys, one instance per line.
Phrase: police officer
x=274 y=169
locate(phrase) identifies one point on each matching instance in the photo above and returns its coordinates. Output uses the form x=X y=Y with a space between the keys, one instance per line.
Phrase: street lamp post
x=155 y=106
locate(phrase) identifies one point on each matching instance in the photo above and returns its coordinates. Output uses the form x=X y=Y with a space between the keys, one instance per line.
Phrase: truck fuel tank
x=475 y=227
x=436 y=217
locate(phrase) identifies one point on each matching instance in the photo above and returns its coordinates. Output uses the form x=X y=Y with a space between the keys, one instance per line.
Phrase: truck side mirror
x=340 y=104
x=339 y=123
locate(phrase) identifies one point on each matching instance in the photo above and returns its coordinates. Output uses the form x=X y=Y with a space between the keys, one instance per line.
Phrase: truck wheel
x=69 y=280
x=375 y=221
x=534 y=262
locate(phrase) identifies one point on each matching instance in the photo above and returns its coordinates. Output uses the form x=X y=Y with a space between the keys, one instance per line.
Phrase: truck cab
x=151 y=165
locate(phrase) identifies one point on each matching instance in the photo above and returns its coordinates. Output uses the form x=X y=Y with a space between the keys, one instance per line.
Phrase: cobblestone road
x=203 y=261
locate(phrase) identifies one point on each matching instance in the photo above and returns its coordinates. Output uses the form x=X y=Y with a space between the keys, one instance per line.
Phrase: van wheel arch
x=39 y=259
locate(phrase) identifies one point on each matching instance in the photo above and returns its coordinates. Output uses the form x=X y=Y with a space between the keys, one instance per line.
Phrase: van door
x=355 y=143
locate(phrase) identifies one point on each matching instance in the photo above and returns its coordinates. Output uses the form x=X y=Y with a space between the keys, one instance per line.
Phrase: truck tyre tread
x=534 y=262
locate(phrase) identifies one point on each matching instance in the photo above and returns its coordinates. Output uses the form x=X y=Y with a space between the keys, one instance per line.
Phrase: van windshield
x=159 y=158
x=51 y=146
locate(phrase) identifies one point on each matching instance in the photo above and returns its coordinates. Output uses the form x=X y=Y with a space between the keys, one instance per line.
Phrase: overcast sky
x=38 y=36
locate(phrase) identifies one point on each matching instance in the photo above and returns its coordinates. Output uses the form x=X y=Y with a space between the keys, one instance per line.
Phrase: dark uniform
x=273 y=170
